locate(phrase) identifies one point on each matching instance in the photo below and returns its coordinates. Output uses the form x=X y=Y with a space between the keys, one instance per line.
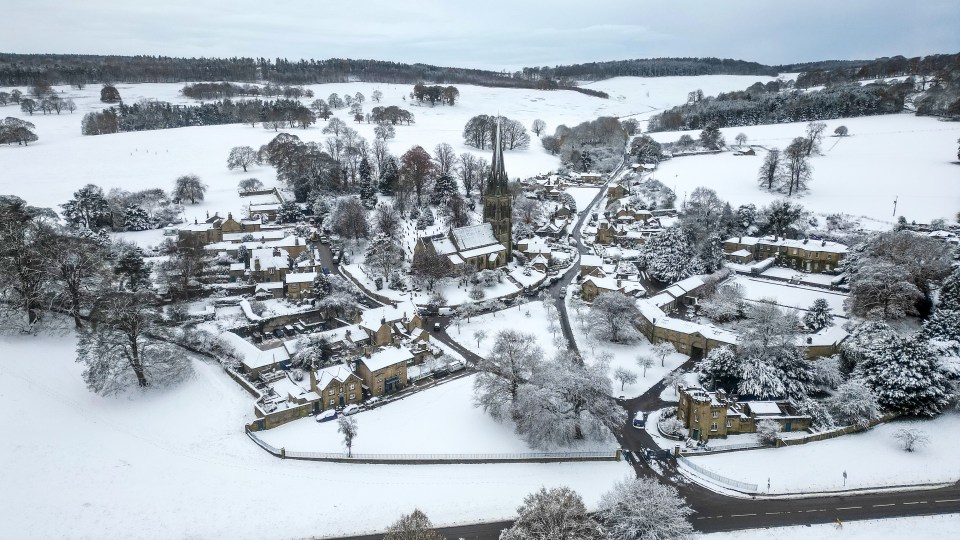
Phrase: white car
x=351 y=409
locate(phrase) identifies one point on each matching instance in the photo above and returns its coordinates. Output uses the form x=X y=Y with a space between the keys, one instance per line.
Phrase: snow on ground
x=900 y=156
x=871 y=459
x=451 y=289
x=47 y=172
x=97 y=463
x=624 y=355
x=789 y=295
x=439 y=420
x=530 y=318
x=583 y=196
x=927 y=527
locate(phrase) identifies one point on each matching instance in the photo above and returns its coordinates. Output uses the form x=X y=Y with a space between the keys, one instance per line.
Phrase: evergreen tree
x=88 y=208
x=389 y=176
x=289 y=212
x=133 y=271
x=949 y=297
x=135 y=218
x=425 y=219
x=818 y=316
x=443 y=188
x=904 y=373
x=669 y=256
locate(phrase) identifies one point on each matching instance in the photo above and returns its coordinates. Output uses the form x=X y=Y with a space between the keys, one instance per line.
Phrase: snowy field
x=47 y=172
x=939 y=527
x=583 y=196
x=120 y=467
x=901 y=156
x=530 y=318
x=795 y=296
x=454 y=293
x=623 y=355
x=871 y=459
x=440 y=420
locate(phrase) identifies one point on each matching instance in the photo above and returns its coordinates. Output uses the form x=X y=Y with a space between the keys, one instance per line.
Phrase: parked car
x=456 y=365
x=327 y=415
x=563 y=290
x=278 y=333
x=257 y=337
x=288 y=330
x=325 y=270
x=351 y=409
x=640 y=420
x=437 y=327
x=324 y=239
x=445 y=311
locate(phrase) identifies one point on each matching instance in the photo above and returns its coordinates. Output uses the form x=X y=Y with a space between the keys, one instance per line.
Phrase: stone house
x=300 y=284
x=710 y=415
x=337 y=387
x=384 y=372
x=589 y=264
x=806 y=255
x=594 y=286
x=389 y=324
x=475 y=245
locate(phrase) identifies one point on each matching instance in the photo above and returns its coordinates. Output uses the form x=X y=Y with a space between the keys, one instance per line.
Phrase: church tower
x=497 y=202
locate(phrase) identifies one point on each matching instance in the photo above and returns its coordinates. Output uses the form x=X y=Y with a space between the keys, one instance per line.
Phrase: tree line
x=148 y=115
x=220 y=90
x=762 y=105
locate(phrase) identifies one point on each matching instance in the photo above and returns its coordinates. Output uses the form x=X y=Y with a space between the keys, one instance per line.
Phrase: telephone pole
x=895 y=199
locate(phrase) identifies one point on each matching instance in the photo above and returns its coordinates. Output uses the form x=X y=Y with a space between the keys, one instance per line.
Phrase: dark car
x=278 y=333
x=325 y=270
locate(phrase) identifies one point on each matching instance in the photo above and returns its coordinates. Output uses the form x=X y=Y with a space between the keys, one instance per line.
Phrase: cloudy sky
x=493 y=34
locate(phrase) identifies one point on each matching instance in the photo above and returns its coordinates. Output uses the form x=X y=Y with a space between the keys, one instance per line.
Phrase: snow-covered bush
x=768 y=431
x=911 y=438
x=854 y=404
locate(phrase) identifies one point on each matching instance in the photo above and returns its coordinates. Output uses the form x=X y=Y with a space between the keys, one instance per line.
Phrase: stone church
x=487 y=245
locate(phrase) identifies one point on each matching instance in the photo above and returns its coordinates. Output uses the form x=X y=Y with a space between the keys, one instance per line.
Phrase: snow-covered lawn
x=583 y=195
x=871 y=459
x=530 y=318
x=926 y=527
x=121 y=467
x=624 y=355
x=451 y=289
x=439 y=420
x=789 y=295
x=892 y=157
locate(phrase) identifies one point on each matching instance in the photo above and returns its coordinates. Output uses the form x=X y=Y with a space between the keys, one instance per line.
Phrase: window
x=330 y=392
x=729 y=424
x=332 y=401
x=696 y=417
x=353 y=396
x=352 y=386
x=716 y=414
x=713 y=426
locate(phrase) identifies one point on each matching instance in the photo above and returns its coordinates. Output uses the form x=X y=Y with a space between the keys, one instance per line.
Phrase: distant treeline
x=148 y=115
x=769 y=104
x=897 y=66
x=220 y=90
x=650 y=67
x=24 y=69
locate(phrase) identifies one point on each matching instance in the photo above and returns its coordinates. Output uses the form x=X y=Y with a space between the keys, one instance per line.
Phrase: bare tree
x=118 y=350
x=644 y=362
x=347 y=427
x=538 y=127
x=643 y=508
x=242 y=156
x=189 y=187
x=771 y=171
x=415 y=167
x=798 y=168
x=625 y=376
x=814 y=136
x=444 y=159
x=250 y=184
x=413 y=526
x=911 y=438
x=662 y=350
x=509 y=365
x=555 y=514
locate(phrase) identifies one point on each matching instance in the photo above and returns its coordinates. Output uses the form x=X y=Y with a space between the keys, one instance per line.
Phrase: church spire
x=497 y=183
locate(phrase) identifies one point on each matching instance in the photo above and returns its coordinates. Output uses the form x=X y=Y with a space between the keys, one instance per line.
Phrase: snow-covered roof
x=540 y=259
x=301 y=277
x=829 y=336
x=237 y=266
x=234 y=238
x=764 y=408
x=387 y=357
x=822 y=246
x=743 y=240
x=268 y=260
x=444 y=246
x=372 y=318
x=483 y=250
x=474 y=236
x=250 y=355
x=606 y=283
x=198 y=227
x=339 y=373
x=662 y=299
x=591 y=260
x=269 y=286
x=741 y=253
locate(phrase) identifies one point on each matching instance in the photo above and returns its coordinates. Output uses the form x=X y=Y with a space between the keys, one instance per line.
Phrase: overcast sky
x=493 y=34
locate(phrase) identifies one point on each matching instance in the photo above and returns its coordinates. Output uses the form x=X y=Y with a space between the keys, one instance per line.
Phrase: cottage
x=337 y=387
x=385 y=371
x=709 y=415
x=806 y=255
x=300 y=285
